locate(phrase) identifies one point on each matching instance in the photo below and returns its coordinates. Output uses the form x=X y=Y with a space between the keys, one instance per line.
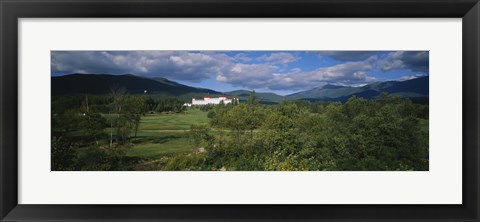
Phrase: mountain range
x=99 y=84
x=414 y=88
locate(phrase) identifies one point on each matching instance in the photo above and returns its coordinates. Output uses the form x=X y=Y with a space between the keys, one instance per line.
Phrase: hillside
x=265 y=97
x=102 y=83
x=415 y=88
x=325 y=92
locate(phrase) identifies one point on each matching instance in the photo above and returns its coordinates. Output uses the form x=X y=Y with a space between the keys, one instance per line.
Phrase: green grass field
x=176 y=121
x=161 y=134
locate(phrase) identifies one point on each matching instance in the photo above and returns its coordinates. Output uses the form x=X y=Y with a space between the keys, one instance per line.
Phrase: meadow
x=165 y=133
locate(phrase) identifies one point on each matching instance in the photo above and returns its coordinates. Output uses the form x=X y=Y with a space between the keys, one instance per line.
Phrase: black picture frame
x=11 y=11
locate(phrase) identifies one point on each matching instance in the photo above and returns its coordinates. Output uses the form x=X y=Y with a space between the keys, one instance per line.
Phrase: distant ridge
x=414 y=88
x=265 y=97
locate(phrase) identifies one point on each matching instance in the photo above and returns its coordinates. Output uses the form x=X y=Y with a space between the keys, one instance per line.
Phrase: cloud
x=266 y=76
x=410 y=77
x=350 y=73
x=248 y=75
x=278 y=58
x=347 y=55
x=178 y=65
x=417 y=61
x=404 y=78
x=242 y=57
x=83 y=62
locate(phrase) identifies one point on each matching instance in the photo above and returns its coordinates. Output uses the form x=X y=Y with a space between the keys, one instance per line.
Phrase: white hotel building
x=207 y=100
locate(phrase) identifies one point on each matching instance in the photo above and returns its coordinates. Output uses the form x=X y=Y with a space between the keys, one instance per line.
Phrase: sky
x=281 y=72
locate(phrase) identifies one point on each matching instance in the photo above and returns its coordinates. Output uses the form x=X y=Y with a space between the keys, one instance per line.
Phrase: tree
x=128 y=117
x=253 y=118
x=253 y=99
x=134 y=108
x=65 y=123
x=96 y=158
x=93 y=125
x=219 y=116
x=200 y=133
x=150 y=104
x=124 y=126
x=63 y=154
x=234 y=101
x=170 y=105
x=236 y=119
x=117 y=94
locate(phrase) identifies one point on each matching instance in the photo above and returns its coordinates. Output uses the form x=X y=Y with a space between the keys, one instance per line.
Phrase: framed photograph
x=225 y=110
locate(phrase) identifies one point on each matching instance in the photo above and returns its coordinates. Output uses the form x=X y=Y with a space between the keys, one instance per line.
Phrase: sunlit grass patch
x=161 y=144
x=173 y=121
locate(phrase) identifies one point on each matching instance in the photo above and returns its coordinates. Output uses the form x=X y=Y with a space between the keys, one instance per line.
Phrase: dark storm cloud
x=179 y=65
x=348 y=55
x=83 y=62
x=417 y=61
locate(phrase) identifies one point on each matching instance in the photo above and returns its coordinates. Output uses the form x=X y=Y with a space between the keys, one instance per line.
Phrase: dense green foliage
x=170 y=105
x=100 y=133
x=360 y=134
